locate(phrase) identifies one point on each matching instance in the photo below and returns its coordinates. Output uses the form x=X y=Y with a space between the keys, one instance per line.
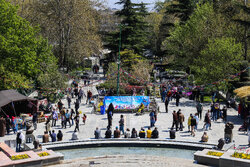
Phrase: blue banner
x=126 y=102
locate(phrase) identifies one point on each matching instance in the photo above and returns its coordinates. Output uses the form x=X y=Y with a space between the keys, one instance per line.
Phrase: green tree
x=129 y=58
x=187 y=42
x=24 y=54
x=71 y=27
x=181 y=9
x=134 y=28
x=221 y=58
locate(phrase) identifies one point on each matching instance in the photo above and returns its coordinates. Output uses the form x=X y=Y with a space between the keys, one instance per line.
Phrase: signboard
x=126 y=102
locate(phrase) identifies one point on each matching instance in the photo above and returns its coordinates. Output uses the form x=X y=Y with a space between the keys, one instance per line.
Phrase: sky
x=111 y=3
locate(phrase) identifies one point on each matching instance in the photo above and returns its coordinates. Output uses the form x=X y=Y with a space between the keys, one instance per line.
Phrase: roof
x=8 y=96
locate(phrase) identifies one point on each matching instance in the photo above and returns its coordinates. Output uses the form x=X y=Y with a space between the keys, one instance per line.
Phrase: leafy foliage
x=220 y=58
x=24 y=54
x=134 y=28
x=71 y=27
x=194 y=48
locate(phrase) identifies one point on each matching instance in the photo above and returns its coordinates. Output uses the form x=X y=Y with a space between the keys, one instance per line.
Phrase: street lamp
x=119 y=61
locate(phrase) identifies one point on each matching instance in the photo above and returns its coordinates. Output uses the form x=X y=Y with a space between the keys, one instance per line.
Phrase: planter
x=228 y=161
x=202 y=157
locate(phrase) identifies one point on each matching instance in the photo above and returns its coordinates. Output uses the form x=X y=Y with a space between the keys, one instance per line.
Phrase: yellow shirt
x=149 y=132
x=189 y=121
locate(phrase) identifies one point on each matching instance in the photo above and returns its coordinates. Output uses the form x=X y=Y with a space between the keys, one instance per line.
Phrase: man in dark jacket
x=110 y=114
x=108 y=133
x=175 y=120
x=155 y=133
x=142 y=133
x=53 y=136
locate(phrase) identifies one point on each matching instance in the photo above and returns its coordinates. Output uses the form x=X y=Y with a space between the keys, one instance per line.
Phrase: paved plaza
x=164 y=122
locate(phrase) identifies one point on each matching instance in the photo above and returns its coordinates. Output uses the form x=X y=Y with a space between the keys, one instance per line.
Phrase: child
x=84 y=118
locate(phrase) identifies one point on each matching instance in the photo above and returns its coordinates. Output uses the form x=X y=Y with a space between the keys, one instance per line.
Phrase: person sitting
x=172 y=134
x=155 y=133
x=204 y=137
x=97 y=133
x=59 y=135
x=221 y=143
x=45 y=137
x=74 y=135
x=134 y=133
x=36 y=143
x=127 y=133
x=108 y=133
x=53 y=136
x=117 y=133
x=149 y=133
x=142 y=133
x=141 y=109
x=40 y=147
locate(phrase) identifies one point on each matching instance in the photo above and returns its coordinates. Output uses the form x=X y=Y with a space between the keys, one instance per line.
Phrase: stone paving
x=163 y=123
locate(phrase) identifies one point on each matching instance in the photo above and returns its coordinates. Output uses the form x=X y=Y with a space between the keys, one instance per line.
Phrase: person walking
x=34 y=120
x=175 y=120
x=193 y=124
x=72 y=115
x=60 y=105
x=152 y=118
x=77 y=105
x=67 y=116
x=177 y=97
x=207 y=121
x=54 y=117
x=69 y=101
x=197 y=121
x=77 y=121
x=189 y=122
x=48 y=126
x=110 y=114
x=8 y=124
x=89 y=96
x=121 y=124
x=181 y=120
x=166 y=104
x=199 y=108
x=80 y=95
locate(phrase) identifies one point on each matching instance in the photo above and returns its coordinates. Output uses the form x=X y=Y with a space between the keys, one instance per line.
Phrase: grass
x=207 y=99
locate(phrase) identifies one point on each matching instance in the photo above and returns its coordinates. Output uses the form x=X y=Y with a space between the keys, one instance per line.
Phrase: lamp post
x=118 y=63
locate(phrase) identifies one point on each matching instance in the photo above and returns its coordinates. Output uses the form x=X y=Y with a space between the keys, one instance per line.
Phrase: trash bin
x=102 y=110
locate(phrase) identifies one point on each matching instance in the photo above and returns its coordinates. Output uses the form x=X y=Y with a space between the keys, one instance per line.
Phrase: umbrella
x=243 y=91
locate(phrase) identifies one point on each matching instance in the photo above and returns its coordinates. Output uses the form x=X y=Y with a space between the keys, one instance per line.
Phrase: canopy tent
x=11 y=100
x=243 y=91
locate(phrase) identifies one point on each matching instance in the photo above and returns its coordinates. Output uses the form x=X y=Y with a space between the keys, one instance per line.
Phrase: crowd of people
x=66 y=116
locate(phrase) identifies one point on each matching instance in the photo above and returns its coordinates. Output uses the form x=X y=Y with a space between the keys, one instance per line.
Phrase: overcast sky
x=111 y=3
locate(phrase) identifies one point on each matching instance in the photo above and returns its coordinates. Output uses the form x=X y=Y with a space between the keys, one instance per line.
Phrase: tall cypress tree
x=182 y=9
x=134 y=27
